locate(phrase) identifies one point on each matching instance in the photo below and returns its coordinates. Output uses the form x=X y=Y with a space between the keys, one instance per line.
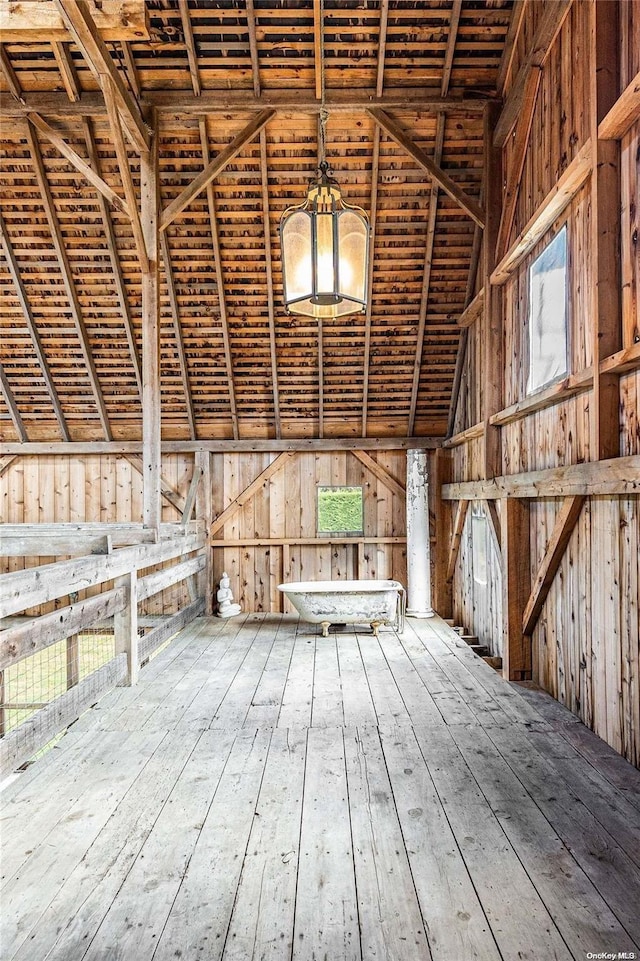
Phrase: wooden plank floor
x=266 y=793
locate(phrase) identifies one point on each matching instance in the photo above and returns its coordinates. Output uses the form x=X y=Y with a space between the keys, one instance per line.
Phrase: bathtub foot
x=325 y=628
x=375 y=627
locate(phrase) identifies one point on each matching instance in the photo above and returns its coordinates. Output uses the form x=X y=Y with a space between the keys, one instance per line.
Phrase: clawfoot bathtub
x=348 y=602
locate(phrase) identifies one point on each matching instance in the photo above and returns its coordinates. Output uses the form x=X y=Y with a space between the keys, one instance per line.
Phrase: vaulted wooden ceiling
x=405 y=83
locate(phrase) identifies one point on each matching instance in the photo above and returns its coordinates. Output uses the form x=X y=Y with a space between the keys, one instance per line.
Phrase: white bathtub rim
x=339 y=587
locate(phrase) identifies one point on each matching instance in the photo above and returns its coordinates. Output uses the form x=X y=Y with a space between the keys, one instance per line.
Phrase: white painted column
x=418 y=542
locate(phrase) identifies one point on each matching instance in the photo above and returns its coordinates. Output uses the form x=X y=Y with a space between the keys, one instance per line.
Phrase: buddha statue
x=226 y=607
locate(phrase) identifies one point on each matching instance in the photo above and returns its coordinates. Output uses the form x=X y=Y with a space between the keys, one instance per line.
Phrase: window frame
x=341 y=533
x=530 y=391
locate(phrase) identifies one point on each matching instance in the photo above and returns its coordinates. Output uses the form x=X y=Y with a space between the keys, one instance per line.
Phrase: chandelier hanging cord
x=323 y=166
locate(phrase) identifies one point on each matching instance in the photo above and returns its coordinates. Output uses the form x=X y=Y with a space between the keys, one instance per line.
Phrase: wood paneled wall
x=284 y=511
x=586 y=644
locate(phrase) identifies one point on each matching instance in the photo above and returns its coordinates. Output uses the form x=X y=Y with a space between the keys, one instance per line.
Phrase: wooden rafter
x=566 y=520
x=77 y=161
x=67 y=69
x=426 y=277
x=67 y=277
x=217 y=257
x=250 y=490
x=510 y=44
x=454 y=20
x=10 y=401
x=268 y=255
x=21 y=294
x=518 y=155
x=547 y=30
x=10 y=74
x=192 y=53
x=80 y=24
x=130 y=68
x=395 y=131
x=215 y=167
x=253 y=46
x=382 y=46
x=373 y=217
x=177 y=330
x=125 y=173
x=380 y=472
x=107 y=222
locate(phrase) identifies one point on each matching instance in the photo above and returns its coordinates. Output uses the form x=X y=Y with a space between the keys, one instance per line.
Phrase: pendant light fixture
x=325 y=244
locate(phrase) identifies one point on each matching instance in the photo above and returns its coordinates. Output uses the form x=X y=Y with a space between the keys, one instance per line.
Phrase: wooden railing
x=116 y=571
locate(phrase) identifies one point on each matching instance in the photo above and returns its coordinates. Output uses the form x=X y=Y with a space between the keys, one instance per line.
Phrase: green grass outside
x=340 y=510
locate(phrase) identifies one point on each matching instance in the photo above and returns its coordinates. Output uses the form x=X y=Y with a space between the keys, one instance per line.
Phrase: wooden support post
x=493 y=327
x=3 y=716
x=73 y=661
x=151 y=451
x=605 y=226
x=204 y=513
x=516 y=580
x=125 y=625
x=443 y=593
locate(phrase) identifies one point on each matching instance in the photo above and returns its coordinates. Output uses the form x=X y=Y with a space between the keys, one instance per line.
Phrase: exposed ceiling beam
x=79 y=22
x=426 y=277
x=39 y=20
x=67 y=69
x=268 y=257
x=215 y=167
x=77 y=161
x=125 y=174
x=373 y=216
x=254 y=444
x=551 y=21
x=217 y=259
x=21 y=294
x=395 y=131
x=10 y=74
x=177 y=329
x=116 y=267
x=10 y=401
x=184 y=103
x=253 y=46
x=192 y=53
x=67 y=277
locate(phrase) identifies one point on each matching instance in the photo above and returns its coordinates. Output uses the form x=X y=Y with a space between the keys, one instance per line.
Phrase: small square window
x=548 y=314
x=340 y=510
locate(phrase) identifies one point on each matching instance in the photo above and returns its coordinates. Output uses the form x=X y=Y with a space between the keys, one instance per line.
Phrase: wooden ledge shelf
x=471 y=433
x=569 y=387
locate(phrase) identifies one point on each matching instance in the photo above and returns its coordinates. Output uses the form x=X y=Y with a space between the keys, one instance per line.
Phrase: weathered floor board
x=266 y=794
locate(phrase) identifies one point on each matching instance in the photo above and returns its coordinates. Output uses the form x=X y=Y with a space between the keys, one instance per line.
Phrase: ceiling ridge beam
x=115 y=263
x=215 y=167
x=177 y=329
x=80 y=164
x=217 y=259
x=23 y=299
x=395 y=131
x=10 y=401
x=67 y=277
x=84 y=31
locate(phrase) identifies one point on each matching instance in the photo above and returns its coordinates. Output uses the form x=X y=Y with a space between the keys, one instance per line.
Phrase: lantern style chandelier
x=325 y=249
